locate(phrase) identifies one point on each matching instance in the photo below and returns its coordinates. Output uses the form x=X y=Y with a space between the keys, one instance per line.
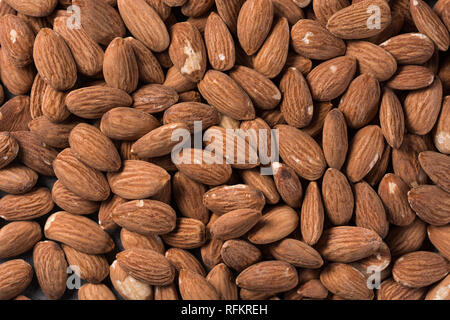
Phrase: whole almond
x=147 y=266
x=27 y=206
x=15 y=114
x=78 y=232
x=195 y=8
x=439 y=237
x=392 y=290
x=443 y=128
x=92 y=268
x=188 y=234
x=234 y=224
x=183 y=259
x=239 y=254
x=431 y=204
x=288 y=184
x=406 y=239
x=297 y=253
x=324 y=9
x=335 y=139
x=419 y=50
x=219 y=43
x=70 y=202
x=312 y=215
x=150 y=70
x=17 y=40
x=53 y=105
x=17 y=179
x=337 y=197
x=222 y=279
x=229 y=12
x=195 y=287
x=411 y=77
x=17 y=80
x=9 y=148
x=392 y=118
x=154 y=98
x=15 y=276
x=132 y=240
x=437 y=167
x=55 y=135
x=39 y=8
x=18 y=237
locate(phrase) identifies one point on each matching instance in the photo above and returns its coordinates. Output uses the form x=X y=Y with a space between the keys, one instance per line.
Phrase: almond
x=15 y=276
x=222 y=279
x=234 y=224
x=335 y=139
x=219 y=43
x=437 y=167
x=431 y=204
x=392 y=119
x=441 y=139
x=182 y=259
x=297 y=253
x=439 y=291
x=39 y=8
x=18 y=237
x=409 y=48
x=17 y=80
x=392 y=290
x=288 y=184
x=229 y=12
x=439 y=237
x=79 y=232
x=91 y=291
x=15 y=114
x=132 y=240
x=195 y=287
x=406 y=239
x=17 y=40
x=188 y=234
x=70 y=202
x=92 y=268
x=128 y=287
x=9 y=148
x=411 y=77
x=324 y=9
x=337 y=197
x=53 y=134
x=27 y=206
x=312 y=215
x=239 y=254
x=17 y=179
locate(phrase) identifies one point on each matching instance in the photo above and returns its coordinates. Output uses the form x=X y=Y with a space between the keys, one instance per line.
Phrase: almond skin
x=419 y=50
x=392 y=118
x=188 y=234
x=335 y=139
x=136 y=15
x=82 y=180
x=312 y=215
x=39 y=8
x=419 y=269
x=272 y=276
x=145 y=217
x=147 y=266
x=191 y=111
x=54 y=61
x=70 y=202
x=79 y=232
x=219 y=43
x=337 y=197
x=138 y=180
x=411 y=77
x=253 y=24
x=301 y=152
x=18 y=237
x=297 y=253
x=15 y=276
x=313 y=41
x=51 y=268
x=223 y=93
x=234 y=224
x=348 y=244
x=28 y=206
x=239 y=254
x=224 y=199
x=329 y=79
x=84 y=138
x=17 y=40
x=154 y=98
x=346 y=282
x=288 y=184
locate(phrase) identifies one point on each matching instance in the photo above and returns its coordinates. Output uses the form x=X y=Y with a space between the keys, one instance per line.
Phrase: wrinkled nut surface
x=225 y=149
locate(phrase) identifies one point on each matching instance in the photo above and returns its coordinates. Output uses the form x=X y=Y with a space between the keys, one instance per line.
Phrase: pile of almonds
x=358 y=206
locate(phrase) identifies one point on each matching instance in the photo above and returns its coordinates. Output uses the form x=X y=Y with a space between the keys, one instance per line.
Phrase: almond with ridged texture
x=15 y=116
x=428 y=23
x=357 y=21
x=297 y=253
x=372 y=59
x=54 y=61
x=440 y=291
x=330 y=79
x=78 y=232
x=219 y=43
x=442 y=133
x=88 y=55
x=254 y=23
x=132 y=240
x=288 y=184
x=17 y=40
x=393 y=191
x=411 y=77
x=137 y=14
x=17 y=179
x=392 y=290
x=70 y=202
x=297 y=105
x=234 y=224
x=402 y=240
x=34 y=153
x=15 y=276
x=239 y=254
x=34 y=8
x=335 y=139
x=440 y=238
x=189 y=112
x=419 y=269
x=431 y=204
x=365 y=151
x=168 y=292
x=229 y=12
x=264 y=183
x=223 y=93
x=97 y=292
x=313 y=289
x=312 y=215
x=145 y=217
x=406 y=163
x=268 y=276
x=154 y=98
x=51 y=268
x=187 y=51
x=289 y=10
x=183 y=259
x=337 y=197
x=369 y=209
x=178 y=82
x=27 y=206
x=147 y=266
x=437 y=167
x=36 y=96
x=224 y=199
x=92 y=268
x=422 y=108
x=222 y=279
x=188 y=234
x=150 y=70
x=53 y=105
x=120 y=67
x=18 y=237
x=79 y=178
x=360 y=102
x=53 y=134
x=272 y=56
x=409 y=48
x=128 y=287
x=346 y=282
x=92 y=102
x=348 y=244
x=9 y=148
x=324 y=9
x=375 y=175
x=301 y=152
x=127 y=123
x=161 y=8
x=138 y=180
x=17 y=80
x=311 y=40
x=196 y=8
x=392 y=118
x=195 y=287
x=263 y=92
x=196 y=164
x=275 y=225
